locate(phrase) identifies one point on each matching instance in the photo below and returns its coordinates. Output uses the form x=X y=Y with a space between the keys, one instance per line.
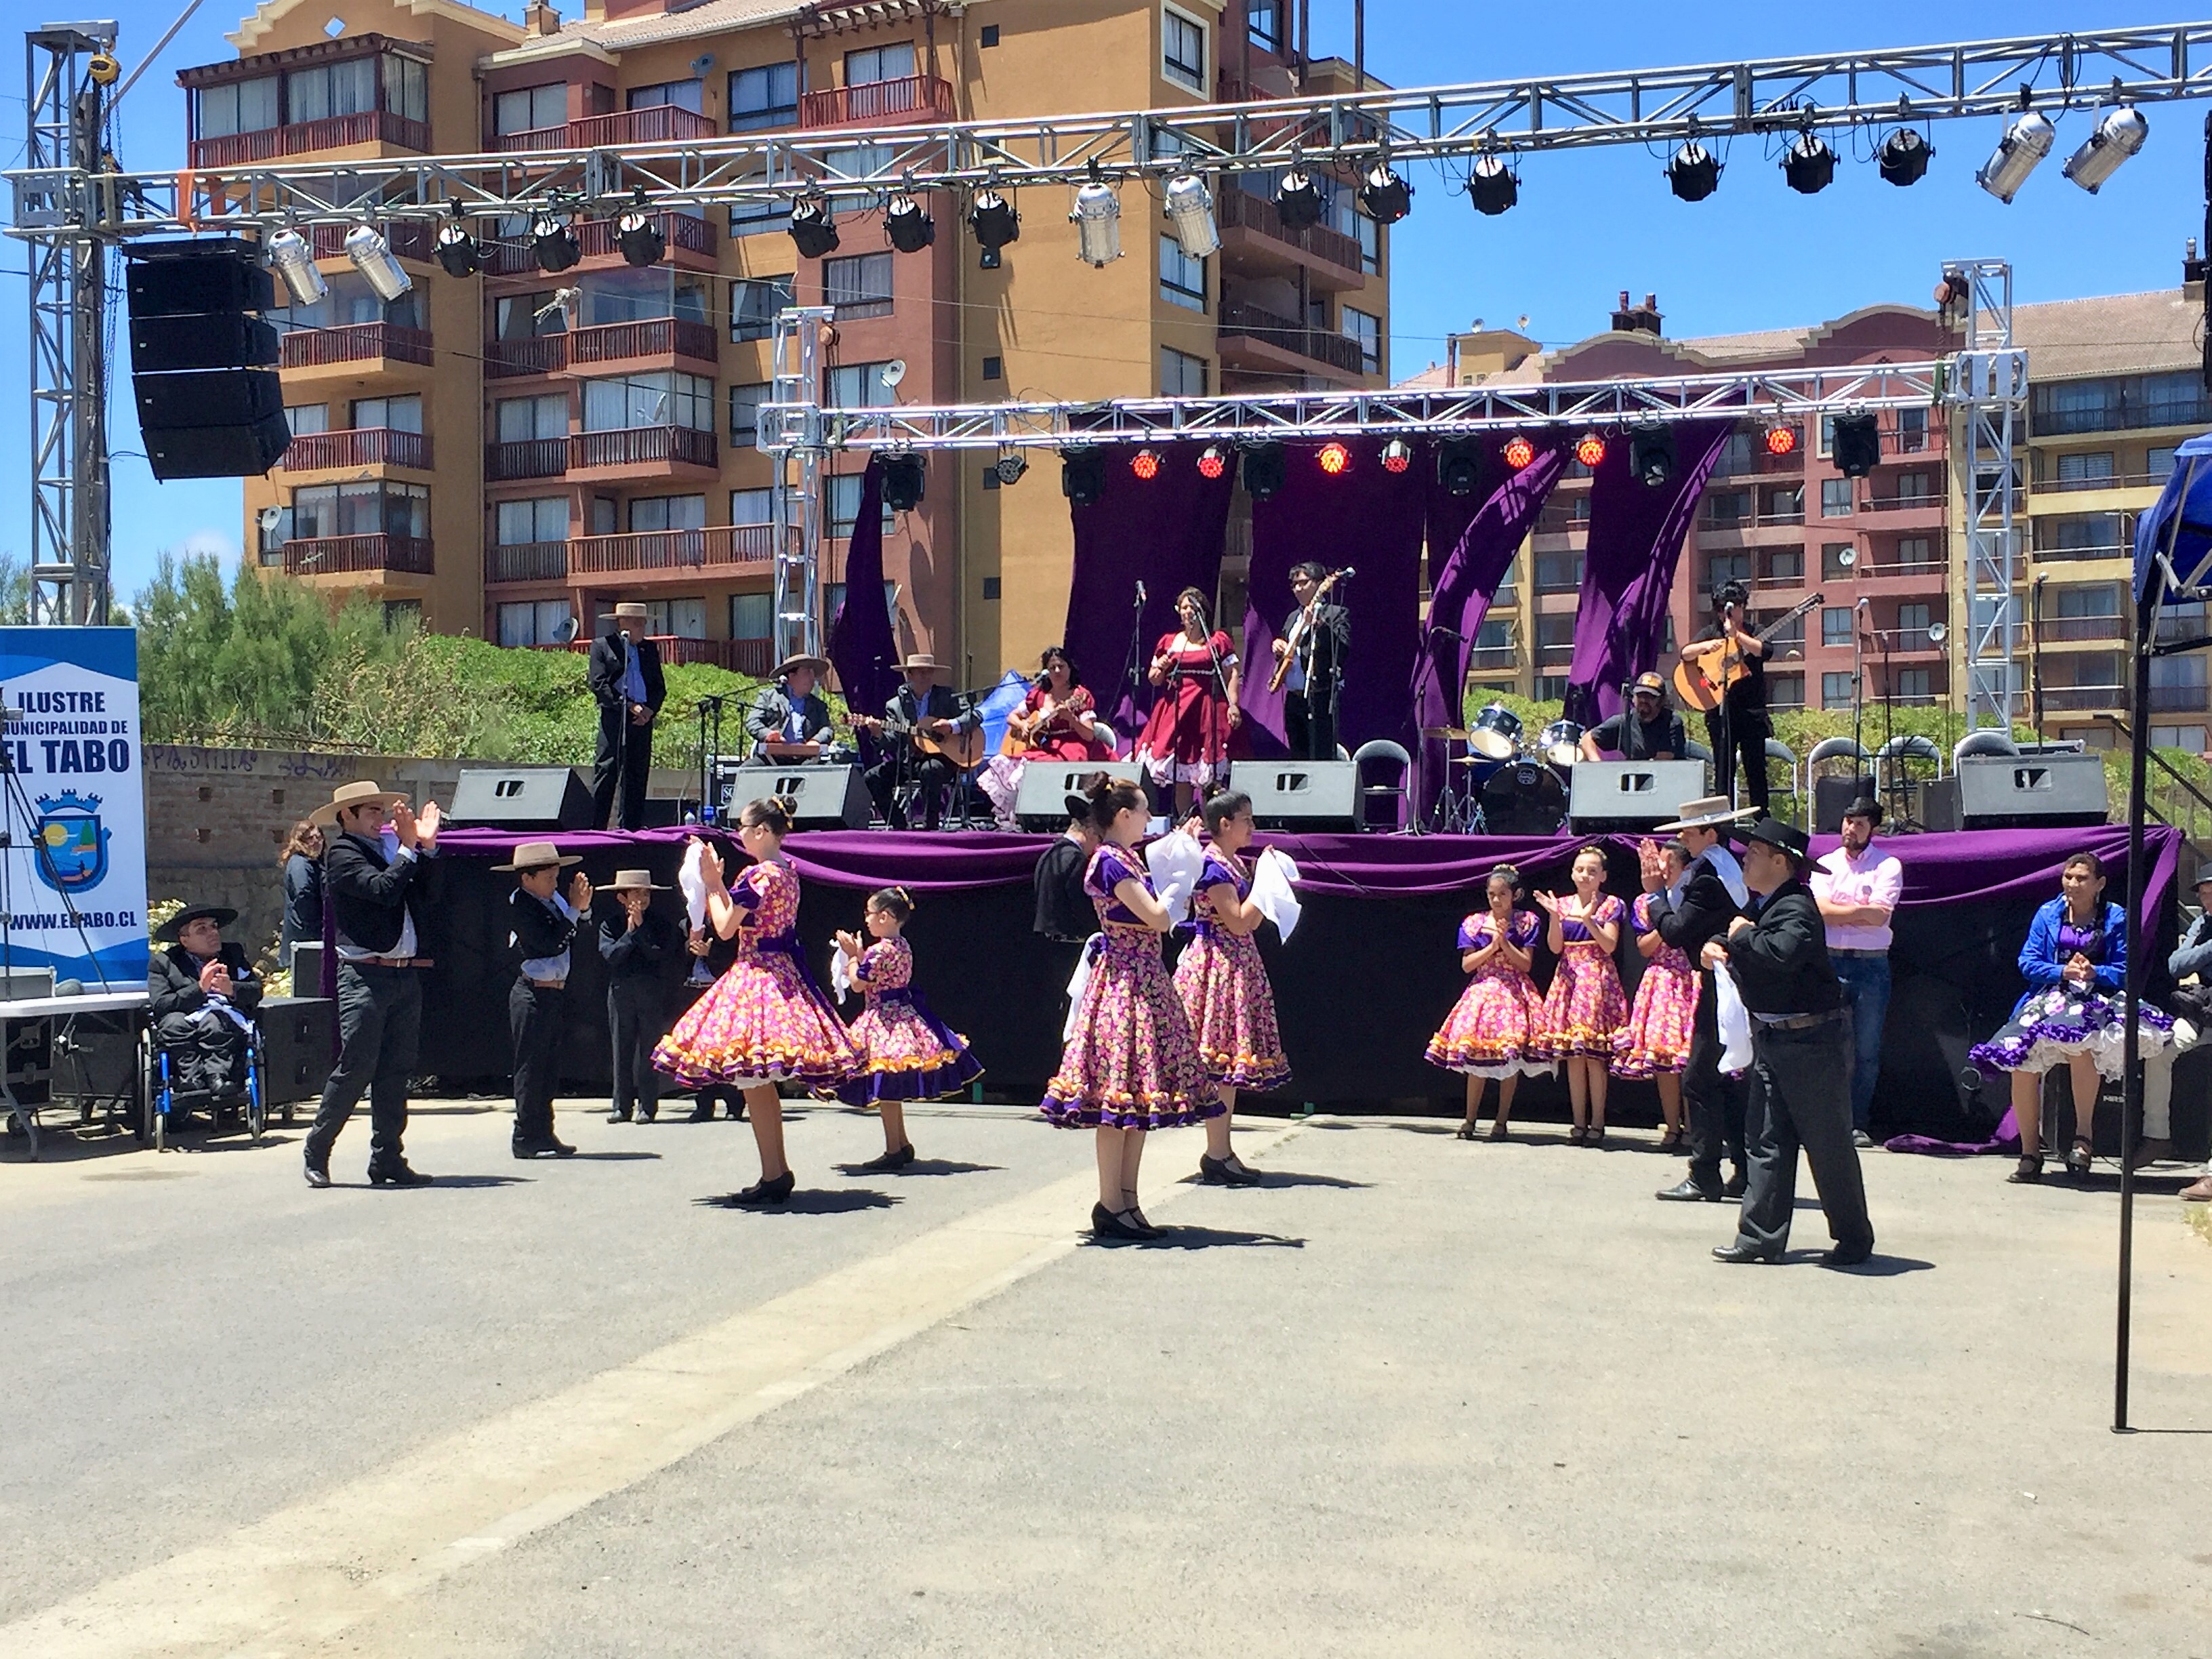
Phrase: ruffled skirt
x=2052 y=1025
x=1223 y=986
x=763 y=1021
x=1584 y=1006
x=907 y=1053
x=1132 y=1062
x=1656 y=1041
x=1490 y=1029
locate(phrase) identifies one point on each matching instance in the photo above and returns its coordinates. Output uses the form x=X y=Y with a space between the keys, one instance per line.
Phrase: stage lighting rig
x=1297 y=199
x=639 y=235
x=457 y=250
x=1492 y=185
x=1520 y=454
x=1145 y=463
x=1383 y=196
x=1693 y=174
x=1397 y=456
x=1590 y=450
x=1808 y=165
x=1097 y=221
x=2120 y=135
x=1903 y=157
x=1213 y=461
x=907 y=223
x=1651 y=454
x=1010 y=467
x=1082 y=475
x=1263 y=469
x=553 y=243
x=1334 y=459
x=813 y=228
x=904 y=477
x=1190 y=210
x=371 y=257
x=994 y=222
x=1781 y=440
x=292 y=260
x=1459 y=463
x=1857 y=444
x=2025 y=142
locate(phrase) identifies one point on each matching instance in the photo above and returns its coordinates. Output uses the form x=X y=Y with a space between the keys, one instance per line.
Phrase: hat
x=359 y=793
x=537 y=854
x=1782 y=837
x=632 y=607
x=1078 y=806
x=1864 y=806
x=636 y=881
x=819 y=665
x=221 y=914
x=918 y=659
x=1710 y=813
x=2204 y=874
x=1649 y=682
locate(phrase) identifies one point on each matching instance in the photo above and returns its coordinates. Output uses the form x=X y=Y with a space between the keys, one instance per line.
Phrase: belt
x=379 y=962
x=1801 y=1022
x=547 y=984
x=1878 y=955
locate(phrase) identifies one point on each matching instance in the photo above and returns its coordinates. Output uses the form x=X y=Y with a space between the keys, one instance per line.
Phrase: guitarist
x=1740 y=728
x=1313 y=640
x=919 y=709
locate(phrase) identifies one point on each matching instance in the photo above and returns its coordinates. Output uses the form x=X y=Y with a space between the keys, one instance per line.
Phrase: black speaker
x=184 y=279
x=1297 y=794
x=209 y=397
x=2023 y=792
x=1041 y=801
x=217 y=451
x=209 y=404
x=523 y=798
x=1629 y=797
x=823 y=797
x=1831 y=795
x=296 y=1046
x=160 y=345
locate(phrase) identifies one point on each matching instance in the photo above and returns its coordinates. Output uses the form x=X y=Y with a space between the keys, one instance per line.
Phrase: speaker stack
x=1297 y=794
x=1041 y=800
x=1625 y=797
x=821 y=797
x=2021 y=791
x=203 y=364
x=523 y=798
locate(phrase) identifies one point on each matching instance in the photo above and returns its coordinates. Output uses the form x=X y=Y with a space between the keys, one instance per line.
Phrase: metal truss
x=1652 y=107
x=1990 y=396
x=796 y=367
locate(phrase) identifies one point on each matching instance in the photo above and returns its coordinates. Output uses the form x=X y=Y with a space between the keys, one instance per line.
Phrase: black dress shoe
x=548 y=1147
x=1690 y=1193
x=618 y=1115
x=702 y=1113
x=1739 y=1254
x=319 y=1175
x=1108 y=1228
x=396 y=1174
x=1848 y=1255
x=1216 y=1172
x=646 y=1113
x=768 y=1192
x=1134 y=1219
x=887 y=1161
x=1733 y=1186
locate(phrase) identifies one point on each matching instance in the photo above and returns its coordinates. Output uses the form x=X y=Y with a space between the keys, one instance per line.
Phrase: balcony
x=754 y=657
x=2179 y=699
x=603 y=342
x=1491 y=660
x=1926 y=502
x=1249 y=223
x=1714 y=520
x=374 y=126
x=909 y=100
x=1281 y=337
x=2064 y=630
x=526 y=562
x=526 y=457
x=542 y=354
x=2077 y=699
x=2099 y=550
x=2110 y=481
x=368 y=445
x=716 y=546
x=330 y=555
x=641 y=445
x=1921 y=572
x=659 y=123
x=2123 y=414
x=354 y=343
x=596 y=239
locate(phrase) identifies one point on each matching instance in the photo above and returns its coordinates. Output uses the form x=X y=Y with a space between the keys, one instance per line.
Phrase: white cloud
x=222 y=543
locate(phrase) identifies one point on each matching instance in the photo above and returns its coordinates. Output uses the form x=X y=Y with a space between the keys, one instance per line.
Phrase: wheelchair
x=162 y=1097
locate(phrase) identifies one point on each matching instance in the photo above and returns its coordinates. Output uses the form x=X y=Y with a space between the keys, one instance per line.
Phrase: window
x=861 y=385
x=1551 y=688
x=2084 y=470
x=1785 y=690
x=1182 y=279
x=1912 y=430
x=399 y=414
x=873 y=64
x=754 y=302
x=544 y=519
x=628 y=296
x=1726 y=508
x=235 y=107
x=534 y=621
x=668 y=513
x=1786 y=564
x=1736 y=455
x=2092 y=533
x=274 y=536
x=1182 y=375
x=844 y=499
x=753 y=616
x=1263 y=18
x=989 y=36
x=745 y=411
x=1835 y=690
x=2098 y=601
x=520 y=420
x=833 y=601
x=1555 y=634
x=678 y=95
x=1835 y=498
x=1914 y=488
x=1730 y=566
x=1183 y=51
x=361 y=509
x=515 y=318
x=764 y=97
x=2190 y=739
x=2158 y=462
x=756 y=218
x=1836 y=625
x=1914 y=685
x=1916 y=552
x=677 y=619
x=994 y=368
x=400 y=614
x=406 y=87
x=623 y=401
x=348 y=87
x=1367 y=329
x=531 y=109
x=1494 y=635
x=604 y=515
x=1559 y=573
x=1786 y=637
x=859 y=286
x=1912 y=622
x=1785 y=504
x=306 y=420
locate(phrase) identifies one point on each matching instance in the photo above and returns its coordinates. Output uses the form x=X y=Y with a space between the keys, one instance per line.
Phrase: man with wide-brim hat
x=1857 y=887
x=1697 y=908
x=543 y=921
x=625 y=679
x=917 y=709
x=201 y=993
x=788 y=720
x=639 y=947
x=378 y=907
x=1799 y=1095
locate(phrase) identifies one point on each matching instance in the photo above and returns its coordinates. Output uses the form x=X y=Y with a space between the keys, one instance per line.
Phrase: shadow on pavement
x=1295 y=1178
x=615 y=1157
x=921 y=1166
x=1883 y=1266
x=831 y=1201
x=1204 y=1238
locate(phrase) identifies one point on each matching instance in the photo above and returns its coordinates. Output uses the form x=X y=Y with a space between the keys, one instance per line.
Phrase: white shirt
x=1872 y=878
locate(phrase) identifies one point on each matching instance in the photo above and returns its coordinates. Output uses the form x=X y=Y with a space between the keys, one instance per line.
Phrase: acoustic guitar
x=1710 y=667
x=1300 y=625
x=1015 y=743
x=942 y=738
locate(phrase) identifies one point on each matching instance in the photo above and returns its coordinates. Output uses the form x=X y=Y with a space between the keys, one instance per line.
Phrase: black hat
x=1078 y=807
x=1865 y=806
x=221 y=914
x=2204 y=874
x=1782 y=837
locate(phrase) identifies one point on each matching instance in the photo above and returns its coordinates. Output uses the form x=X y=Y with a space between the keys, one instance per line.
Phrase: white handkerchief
x=1273 y=878
x=841 y=973
x=1734 y=1021
x=1078 y=980
x=693 y=881
x=1174 y=861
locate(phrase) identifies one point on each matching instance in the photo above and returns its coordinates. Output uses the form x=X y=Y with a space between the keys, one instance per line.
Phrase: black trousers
x=1716 y=1100
x=1800 y=1096
x=1310 y=728
x=933 y=773
x=206 y=1056
x=620 y=768
x=1743 y=738
x=534 y=1022
x=733 y=1101
x=637 y=1015
x=380 y=1028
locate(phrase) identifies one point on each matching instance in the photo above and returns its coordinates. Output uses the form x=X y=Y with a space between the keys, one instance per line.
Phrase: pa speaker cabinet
x=209 y=397
x=183 y=279
x=296 y=1040
x=1041 y=802
x=2007 y=791
x=1831 y=795
x=523 y=798
x=162 y=345
x=824 y=797
x=216 y=451
x=1630 y=795
x=1297 y=794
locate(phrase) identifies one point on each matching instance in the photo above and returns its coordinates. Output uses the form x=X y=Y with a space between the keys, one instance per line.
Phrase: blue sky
x=1753 y=256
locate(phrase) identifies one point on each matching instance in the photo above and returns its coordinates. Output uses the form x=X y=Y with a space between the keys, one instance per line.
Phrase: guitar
x=1300 y=625
x=963 y=747
x=1024 y=730
x=1710 y=667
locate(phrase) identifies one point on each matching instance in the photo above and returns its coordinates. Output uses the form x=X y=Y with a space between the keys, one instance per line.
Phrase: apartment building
x=512 y=453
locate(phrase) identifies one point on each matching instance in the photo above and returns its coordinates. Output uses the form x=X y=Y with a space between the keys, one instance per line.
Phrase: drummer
x=1647 y=730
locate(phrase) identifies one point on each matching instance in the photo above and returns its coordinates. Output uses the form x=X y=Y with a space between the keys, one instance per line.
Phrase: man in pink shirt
x=1857 y=887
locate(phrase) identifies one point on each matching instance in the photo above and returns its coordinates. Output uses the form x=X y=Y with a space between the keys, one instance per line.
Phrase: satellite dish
x=269 y=517
x=1937 y=633
x=564 y=631
x=894 y=371
x=703 y=62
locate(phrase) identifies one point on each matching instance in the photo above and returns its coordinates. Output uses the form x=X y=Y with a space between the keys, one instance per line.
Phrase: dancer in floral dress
x=765 y=1020
x=906 y=1052
x=1490 y=1029
x=1130 y=1063
x=1584 y=1006
x=1223 y=985
x=1655 y=1043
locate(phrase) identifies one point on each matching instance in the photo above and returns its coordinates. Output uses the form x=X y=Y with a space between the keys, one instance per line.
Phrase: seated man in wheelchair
x=201 y=994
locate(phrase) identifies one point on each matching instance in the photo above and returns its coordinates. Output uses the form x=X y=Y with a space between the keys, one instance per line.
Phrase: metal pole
x=2132 y=1079
x=1360 y=46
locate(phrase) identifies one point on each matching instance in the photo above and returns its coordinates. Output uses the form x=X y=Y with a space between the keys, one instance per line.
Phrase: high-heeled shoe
x=1215 y=1171
x=1496 y=1130
x=1467 y=1132
x=1134 y=1219
x=1595 y=1137
x=2027 y=1171
x=1107 y=1225
x=764 y=1192
x=2079 y=1157
x=1670 y=1140
x=1576 y=1135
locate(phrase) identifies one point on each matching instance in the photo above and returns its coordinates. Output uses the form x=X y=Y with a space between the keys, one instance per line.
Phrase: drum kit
x=1502 y=782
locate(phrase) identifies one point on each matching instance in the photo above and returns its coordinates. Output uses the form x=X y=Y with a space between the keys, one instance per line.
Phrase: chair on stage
x=1383 y=752
x=1778 y=750
x=1987 y=741
x=1893 y=773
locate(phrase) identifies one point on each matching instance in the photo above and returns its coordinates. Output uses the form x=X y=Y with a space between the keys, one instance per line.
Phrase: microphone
x=1346 y=574
x=1140 y=593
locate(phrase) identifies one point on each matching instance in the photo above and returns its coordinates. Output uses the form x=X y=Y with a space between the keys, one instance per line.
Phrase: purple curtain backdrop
x=1464 y=571
x=863 y=649
x=1635 y=543
x=1167 y=533
x=1371 y=520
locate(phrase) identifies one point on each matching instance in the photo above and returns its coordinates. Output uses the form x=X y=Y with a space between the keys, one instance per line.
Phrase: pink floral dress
x=1656 y=1041
x=1490 y=1031
x=1224 y=985
x=907 y=1053
x=1585 y=1005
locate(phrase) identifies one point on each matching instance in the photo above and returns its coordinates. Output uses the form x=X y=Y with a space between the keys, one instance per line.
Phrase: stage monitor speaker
x=1830 y=796
x=2007 y=791
x=1626 y=796
x=182 y=279
x=823 y=797
x=1299 y=794
x=245 y=451
x=161 y=345
x=523 y=798
x=296 y=1046
x=307 y=967
x=1041 y=803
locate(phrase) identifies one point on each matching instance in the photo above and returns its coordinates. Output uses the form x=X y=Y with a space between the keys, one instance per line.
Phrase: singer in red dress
x=1185 y=741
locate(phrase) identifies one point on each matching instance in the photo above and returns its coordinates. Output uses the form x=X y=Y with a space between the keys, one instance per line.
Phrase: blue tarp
x=2179 y=525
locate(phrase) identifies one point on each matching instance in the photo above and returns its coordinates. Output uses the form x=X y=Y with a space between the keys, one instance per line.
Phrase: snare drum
x=1496 y=734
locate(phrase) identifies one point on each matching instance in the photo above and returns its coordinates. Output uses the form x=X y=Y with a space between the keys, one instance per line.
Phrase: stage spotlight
x=291 y=259
x=639 y=235
x=1903 y=157
x=1492 y=186
x=994 y=223
x=1097 y=222
x=552 y=243
x=1213 y=461
x=371 y=257
x=1385 y=197
x=1145 y=463
x=1590 y=449
x=907 y=223
x=1263 y=470
x=1782 y=440
x=1809 y=165
x=1651 y=455
x=1082 y=475
x=457 y=250
x=1519 y=453
x=1459 y=463
x=1397 y=455
x=1693 y=174
x=2118 y=137
x=1190 y=209
x=1297 y=200
x=813 y=228
x=2025 y=142
x=1857 y=444
x=904 y=478
x=1334 y=459
x=1009 y=466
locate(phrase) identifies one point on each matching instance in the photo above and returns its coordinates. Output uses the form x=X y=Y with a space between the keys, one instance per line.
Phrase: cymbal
x=1469 y=760
x=1445 y=733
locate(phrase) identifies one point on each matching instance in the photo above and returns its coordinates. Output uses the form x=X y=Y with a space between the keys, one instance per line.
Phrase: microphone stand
x=709 y=757
x=1859 y=625
x=1132 y=668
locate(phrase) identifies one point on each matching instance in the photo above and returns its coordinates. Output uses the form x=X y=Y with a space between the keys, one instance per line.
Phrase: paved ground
x=1415 y=1397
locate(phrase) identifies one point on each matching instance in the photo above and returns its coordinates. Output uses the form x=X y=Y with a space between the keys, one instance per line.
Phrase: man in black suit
x=1312 y=690
x=1698 y=909
x=789 y=721
x=626 y=681
x=1801 y=1063
x=201 y=994
x=542 y=921
x=920 y=705
x=1739 y=728
x=378 y=901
